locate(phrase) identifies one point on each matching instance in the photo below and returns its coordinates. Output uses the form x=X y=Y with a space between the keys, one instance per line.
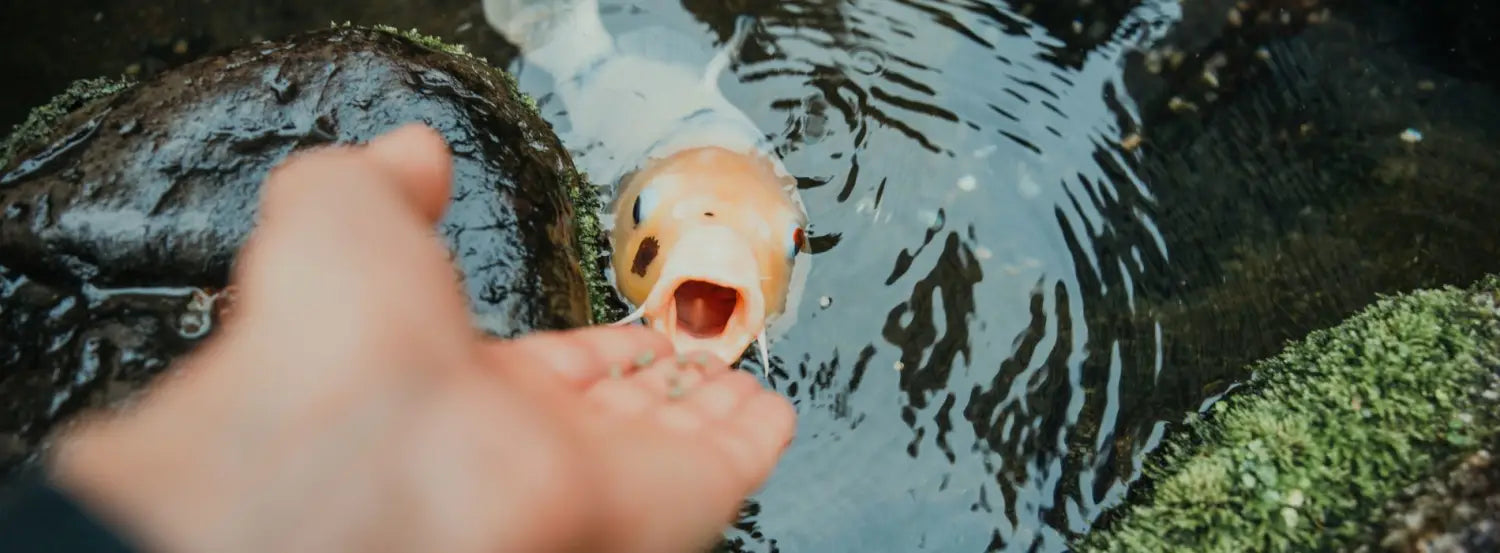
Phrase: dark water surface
x=1007 y=307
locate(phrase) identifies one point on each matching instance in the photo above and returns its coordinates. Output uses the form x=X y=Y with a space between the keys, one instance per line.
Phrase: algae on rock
x=40 y=121
x=1306 y=456
x=606 y=304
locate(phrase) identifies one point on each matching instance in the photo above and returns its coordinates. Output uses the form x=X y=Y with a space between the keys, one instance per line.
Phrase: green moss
x=1324 y=434
x=39 y=122
x=434 y=43
x=588 y=236
x=427 y=41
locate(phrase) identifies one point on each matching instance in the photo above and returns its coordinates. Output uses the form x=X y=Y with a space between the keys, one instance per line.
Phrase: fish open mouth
x=704 y=309
x=706 y=295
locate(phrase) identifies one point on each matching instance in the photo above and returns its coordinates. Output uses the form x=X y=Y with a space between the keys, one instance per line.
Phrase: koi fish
x=706 y=227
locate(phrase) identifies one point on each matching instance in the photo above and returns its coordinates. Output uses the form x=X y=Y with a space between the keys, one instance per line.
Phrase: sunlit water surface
x=969 y=206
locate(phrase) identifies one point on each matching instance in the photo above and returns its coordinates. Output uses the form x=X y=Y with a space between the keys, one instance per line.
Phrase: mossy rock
x=1306 y=455
x=118 y=201
x=40 y=122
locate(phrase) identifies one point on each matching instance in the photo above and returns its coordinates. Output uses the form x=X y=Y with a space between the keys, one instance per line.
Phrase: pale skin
x=349 y=405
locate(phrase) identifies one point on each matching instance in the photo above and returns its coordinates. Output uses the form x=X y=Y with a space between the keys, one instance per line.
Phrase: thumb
x=417 y=159
x=345 y=241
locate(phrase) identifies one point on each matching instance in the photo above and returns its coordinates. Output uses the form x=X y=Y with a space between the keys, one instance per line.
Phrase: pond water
x=930 y=417
x=939 y=354
x=1010 y=302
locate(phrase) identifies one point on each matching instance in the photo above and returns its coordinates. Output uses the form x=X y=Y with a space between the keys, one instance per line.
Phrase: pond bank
x=1307 y=454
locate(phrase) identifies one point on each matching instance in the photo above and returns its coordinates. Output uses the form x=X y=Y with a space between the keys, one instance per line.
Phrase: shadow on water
x=1026 y=266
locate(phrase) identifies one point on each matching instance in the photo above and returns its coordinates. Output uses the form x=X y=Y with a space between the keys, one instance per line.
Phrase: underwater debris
x=1218 y=47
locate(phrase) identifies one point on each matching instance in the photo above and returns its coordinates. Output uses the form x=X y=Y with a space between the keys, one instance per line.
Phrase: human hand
x=349 y=405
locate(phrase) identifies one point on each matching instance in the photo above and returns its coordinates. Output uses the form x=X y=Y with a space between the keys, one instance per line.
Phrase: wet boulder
x=120 y=217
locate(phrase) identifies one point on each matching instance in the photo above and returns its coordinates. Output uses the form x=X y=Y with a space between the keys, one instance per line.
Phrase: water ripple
x=972 y=319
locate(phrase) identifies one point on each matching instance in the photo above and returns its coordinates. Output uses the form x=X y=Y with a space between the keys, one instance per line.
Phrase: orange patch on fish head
x=704 y=242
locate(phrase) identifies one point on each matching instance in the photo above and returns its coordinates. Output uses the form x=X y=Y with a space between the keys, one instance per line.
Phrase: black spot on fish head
x=644 y=255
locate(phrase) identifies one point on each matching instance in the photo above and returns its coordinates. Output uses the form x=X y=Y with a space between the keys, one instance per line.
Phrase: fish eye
x=798 y=240
x=645 y=203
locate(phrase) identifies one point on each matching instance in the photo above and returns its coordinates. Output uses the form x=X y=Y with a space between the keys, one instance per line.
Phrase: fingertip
x=419 y=159
x=757 y=434
x=776 y=420
x=720 y=395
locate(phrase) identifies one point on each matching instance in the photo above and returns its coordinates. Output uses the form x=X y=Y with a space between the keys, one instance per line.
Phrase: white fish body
x=644 y=97
x=631 y=99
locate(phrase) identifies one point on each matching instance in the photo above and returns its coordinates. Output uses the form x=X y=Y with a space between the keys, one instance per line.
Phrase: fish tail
x=564 y=37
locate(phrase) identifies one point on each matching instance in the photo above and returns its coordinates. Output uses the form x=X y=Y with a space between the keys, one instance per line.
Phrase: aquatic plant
x=1306 y=455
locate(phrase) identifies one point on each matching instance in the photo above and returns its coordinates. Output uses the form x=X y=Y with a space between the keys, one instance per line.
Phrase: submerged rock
x=1214 y=50
x=118 y=221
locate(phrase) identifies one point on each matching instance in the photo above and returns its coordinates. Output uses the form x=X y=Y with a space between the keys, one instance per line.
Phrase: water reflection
x=976 y=214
